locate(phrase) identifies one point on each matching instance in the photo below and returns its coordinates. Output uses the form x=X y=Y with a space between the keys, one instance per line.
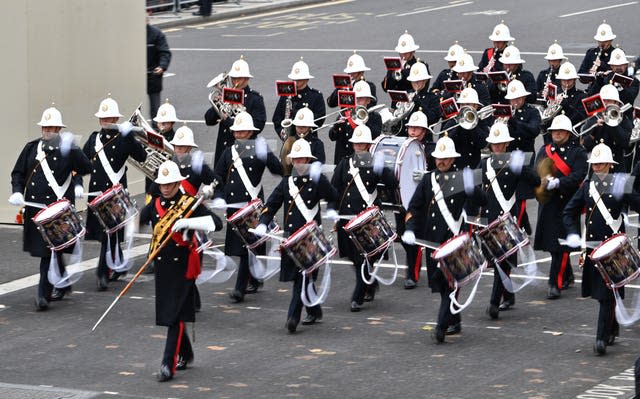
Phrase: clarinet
x=491 y=63
x=596 y=62
x=545 y=89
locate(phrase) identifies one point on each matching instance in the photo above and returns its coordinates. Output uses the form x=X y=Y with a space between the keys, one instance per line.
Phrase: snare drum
x=502 y=238
x=308 y=247
x=59 y=225
x=114 y=208
x=460 y=259
x=617 y=260
x=249 y=218
x=370 y=232
x=403 y=155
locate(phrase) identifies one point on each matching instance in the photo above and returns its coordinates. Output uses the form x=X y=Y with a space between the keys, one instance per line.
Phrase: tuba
x=545 y=168
x=158 y=149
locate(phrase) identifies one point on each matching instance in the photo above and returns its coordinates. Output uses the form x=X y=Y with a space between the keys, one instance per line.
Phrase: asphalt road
x=540 y=349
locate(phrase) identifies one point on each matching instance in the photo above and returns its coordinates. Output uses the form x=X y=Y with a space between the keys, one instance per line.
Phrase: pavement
x=539 y=349
x=222 y=11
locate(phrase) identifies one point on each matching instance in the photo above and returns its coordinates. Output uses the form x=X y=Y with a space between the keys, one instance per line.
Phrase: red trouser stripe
x=179 y=342
x=563 y=267
x=416 y=269
x=523 y=207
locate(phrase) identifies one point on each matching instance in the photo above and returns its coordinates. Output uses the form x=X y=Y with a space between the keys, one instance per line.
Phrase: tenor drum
x=502 y=238
x=617 y=260
x=460 y=259
x=370 y=232
x=114 y=208
x=403 y=155
x=59 y=225
x=308 y=247
x=248 y=218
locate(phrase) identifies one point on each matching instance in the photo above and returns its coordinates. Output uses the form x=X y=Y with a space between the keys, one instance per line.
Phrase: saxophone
x=286 y=122
x=596 y=62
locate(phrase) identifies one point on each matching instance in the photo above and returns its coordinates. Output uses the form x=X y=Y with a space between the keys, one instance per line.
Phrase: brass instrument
x=287 y=122
x=468 y=118
x=502 y=86
x=359 y=115
x=397 y=74
x=612 y=116
x=392 y=117
x=155 y=155
x=217 y=85
x=546 y=168
x=553 y=108
x=635 y=132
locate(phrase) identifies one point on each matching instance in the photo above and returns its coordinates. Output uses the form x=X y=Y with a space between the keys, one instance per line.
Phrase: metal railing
x=170 y=5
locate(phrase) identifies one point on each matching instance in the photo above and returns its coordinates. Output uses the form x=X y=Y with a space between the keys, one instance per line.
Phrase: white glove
x=66 y=142
x=207 y=192
x=573 y=240
x=516 y=162
x=197 y=160
x=378 y=164
x=418 y=174
x=315 y=171
x=553 y=183
x=16 y=199
x=261 y=149
x=219 y=203
x=260 y=230
x=78 y=190
x=619 y=180
x=409 y=237
x=202 y=223
x=467 y=179
x=332 y=215
x=125 y=128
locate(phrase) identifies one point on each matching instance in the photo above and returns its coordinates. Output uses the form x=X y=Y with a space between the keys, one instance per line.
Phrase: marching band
x=492 y=119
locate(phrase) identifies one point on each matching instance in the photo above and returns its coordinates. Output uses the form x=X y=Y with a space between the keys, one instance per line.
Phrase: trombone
x=360 y=115
x=612 y=116
x=468 y=118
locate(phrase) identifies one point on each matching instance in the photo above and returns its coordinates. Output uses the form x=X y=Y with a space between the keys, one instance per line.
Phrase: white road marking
x=268 y=35
x=435 y=8
x=598 y=9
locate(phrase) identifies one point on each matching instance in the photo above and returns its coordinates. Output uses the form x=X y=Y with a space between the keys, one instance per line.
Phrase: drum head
x=608 y=246
x=300 y=233
x=52 y=210
x=239 y=214
x=450 y=246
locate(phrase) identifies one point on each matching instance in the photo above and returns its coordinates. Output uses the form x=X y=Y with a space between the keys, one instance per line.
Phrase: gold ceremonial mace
x=153 y=254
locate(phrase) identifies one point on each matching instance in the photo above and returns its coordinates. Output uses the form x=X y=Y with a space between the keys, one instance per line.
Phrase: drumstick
x=268 y=235
x=232 y=205
x=427 y=244
x=92 y=194
x=344 y=217
x=35 y=205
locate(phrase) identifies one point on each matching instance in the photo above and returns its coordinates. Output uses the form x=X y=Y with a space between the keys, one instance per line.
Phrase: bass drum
x=402 y=155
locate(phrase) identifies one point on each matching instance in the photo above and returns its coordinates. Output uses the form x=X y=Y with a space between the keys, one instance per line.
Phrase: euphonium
x=217 y=86
x=155 y=155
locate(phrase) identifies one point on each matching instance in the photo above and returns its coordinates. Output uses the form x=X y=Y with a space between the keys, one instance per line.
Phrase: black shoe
x=164 y=374
x=355 y=307
x=370 y=292
x=438 y=335
x=311 y=319
x=41 y=303
x=291 y=325
x=611 y=340
x=506 y=305
x=253 y=288
x=102 y=283
x=600 y=347
x=150 y=269
x=236 y=296
x=454 y=329
x=116 y=275
x=554 y=293
x=409 y=284
x=59 y=293
x=182 y=363
x=493 y=312
x=569 y=283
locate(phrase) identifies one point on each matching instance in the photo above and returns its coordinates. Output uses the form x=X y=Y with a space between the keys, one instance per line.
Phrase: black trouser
x=361 y=287
x=295 y=306
x=205 y=7
x=103 y=268
x=244 y=276
x=177 y=344
x=445 y=317
x=636 y=372
x=414 y=252
x=607 y=323
x=560 y=271
x=154 y=104
x=44 y=286
x=498 y=292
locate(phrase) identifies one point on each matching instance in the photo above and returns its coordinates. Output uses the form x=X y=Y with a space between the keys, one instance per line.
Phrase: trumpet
x=468 y=118
x=502 y=86
x=397 y=74
x=612 y=116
